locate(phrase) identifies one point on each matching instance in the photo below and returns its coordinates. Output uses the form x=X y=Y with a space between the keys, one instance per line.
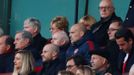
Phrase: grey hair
x=26 y=35
x=53 y=48
x=63 y=36
x=35 y=23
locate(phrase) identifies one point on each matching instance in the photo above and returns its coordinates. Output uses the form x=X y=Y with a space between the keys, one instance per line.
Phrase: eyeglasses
x=69 y=66
x=112 y=29
x=106 y=8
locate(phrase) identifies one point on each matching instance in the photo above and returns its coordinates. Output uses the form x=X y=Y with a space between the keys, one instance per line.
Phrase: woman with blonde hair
x=23 y=63
x=64 y=72
x=84 y=70
x=87 y=21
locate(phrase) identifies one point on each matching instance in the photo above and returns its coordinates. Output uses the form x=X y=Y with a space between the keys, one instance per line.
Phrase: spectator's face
x=112 y=30
x=105 y=8
x=54 y=29
x=97 y=62
x=3 y=47
x=56 y=40
x=47 y=54
x=18 y=61
x=70 y=66
x=19 y=42
x=124 y=45
x=75 y=34
x=29 y=28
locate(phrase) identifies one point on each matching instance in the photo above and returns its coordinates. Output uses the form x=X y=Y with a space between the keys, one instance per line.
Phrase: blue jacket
x=81 y=47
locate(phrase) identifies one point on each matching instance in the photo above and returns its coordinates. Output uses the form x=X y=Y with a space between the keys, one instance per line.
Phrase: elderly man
x=99 y=29
x=100 y=62
x=6 y=54
x=79 y=43
x=33 y=26
x=51 y=62
x=61 y=40
x=125 y=41
x=23 y=41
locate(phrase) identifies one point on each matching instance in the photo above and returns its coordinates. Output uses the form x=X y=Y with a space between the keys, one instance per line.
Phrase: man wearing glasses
x=74 y=62
x=99 y=29
x=112 y=46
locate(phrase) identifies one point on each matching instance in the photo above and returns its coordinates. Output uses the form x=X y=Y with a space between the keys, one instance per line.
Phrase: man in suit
x=6 y=54
x=125 y=41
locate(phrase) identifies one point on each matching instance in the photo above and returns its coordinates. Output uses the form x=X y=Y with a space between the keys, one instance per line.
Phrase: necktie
x=125 y=63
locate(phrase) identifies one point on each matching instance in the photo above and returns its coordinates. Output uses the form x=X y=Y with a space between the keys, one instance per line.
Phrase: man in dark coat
x=125 y=41
x=33 y=26
x=23 y=41
x=6 y=54
x=99 y=29
x=61 y=40
x=51 y=61
x=112 y=46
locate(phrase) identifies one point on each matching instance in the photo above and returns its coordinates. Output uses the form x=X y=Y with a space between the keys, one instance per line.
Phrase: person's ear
x=35 y=29
x=81 y=33
x=104 y=60
x=8 y=47
x=130 y=41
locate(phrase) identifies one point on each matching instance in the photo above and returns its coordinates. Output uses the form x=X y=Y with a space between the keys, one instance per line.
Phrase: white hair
x=63 y=36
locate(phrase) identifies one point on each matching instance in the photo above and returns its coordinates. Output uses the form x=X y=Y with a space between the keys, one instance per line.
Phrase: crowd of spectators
x=105 y=47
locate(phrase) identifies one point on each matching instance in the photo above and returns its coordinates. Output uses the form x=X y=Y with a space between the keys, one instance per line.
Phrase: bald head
x=77 y=31
x=106 y=8
x=52 y=47
x=50 y=52
x=107 y=2
x=79 y=27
